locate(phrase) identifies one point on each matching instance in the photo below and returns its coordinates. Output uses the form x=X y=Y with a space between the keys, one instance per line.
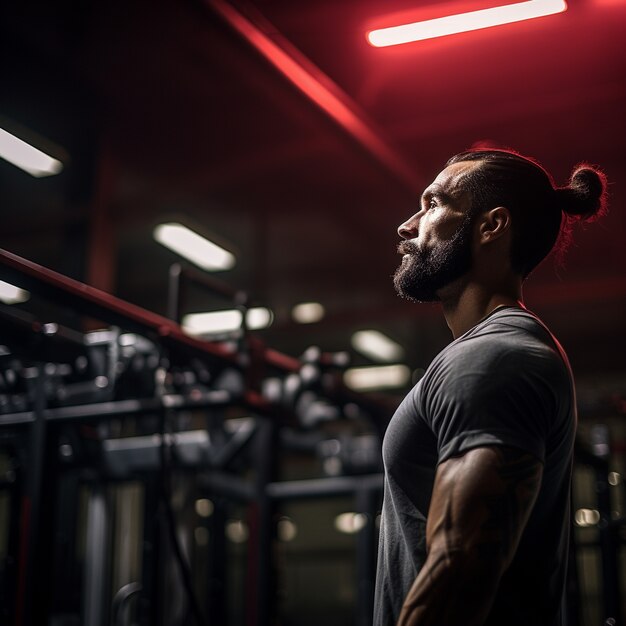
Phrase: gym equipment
x=140 y=405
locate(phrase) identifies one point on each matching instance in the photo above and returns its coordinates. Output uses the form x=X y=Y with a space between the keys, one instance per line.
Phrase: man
x=478 y=456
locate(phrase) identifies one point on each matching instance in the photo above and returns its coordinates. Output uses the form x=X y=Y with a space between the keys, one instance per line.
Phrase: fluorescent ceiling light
x=204 y=253
x=464 y=22
x=307 y=312
x=9 y=294
x=378 y=377
x=27 y=157
x=377 y=346
x=226 y=321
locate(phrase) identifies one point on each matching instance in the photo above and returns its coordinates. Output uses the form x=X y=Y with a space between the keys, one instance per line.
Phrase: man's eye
x=432 y=203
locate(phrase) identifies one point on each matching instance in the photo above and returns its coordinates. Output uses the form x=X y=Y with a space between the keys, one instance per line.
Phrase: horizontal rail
x=112 y=310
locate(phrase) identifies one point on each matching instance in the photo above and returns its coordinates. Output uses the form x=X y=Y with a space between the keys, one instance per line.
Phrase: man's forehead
x=451 y=180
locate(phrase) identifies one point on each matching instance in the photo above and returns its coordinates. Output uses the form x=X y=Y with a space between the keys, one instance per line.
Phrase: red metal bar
x=318 y=88
x=110 y=309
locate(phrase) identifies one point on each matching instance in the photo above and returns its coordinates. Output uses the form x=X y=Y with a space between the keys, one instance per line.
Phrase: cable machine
x=143 y=403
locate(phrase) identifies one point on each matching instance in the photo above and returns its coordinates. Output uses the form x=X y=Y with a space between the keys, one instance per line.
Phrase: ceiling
x=275 y=128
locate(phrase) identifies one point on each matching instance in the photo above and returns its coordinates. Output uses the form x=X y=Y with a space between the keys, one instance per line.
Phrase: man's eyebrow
x=435 y=190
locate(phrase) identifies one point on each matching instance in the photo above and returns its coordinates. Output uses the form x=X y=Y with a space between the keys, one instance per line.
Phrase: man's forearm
x=452 y=589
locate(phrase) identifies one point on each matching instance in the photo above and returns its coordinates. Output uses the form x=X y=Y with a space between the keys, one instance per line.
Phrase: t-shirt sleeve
x=486 y=393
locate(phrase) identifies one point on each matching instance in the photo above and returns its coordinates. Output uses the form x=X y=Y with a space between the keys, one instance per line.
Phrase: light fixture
x=286 y=529
x=464 y=22
x=586 y=517
x=350 y=523
x=27 y=157
x=214 y=322
x=377 y=377
x=204 y=507
x=237 y=531
x=193 y=247
x=307 y=312
x=9 y=294
x=377 y=346
x=615 y=479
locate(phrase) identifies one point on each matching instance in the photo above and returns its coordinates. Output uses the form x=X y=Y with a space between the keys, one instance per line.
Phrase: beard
x=426 y=271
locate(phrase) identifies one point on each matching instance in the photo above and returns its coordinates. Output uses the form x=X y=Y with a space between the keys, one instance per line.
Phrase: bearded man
x=478 y=456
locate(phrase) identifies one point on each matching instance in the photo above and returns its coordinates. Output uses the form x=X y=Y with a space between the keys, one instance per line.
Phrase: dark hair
x=540 y=211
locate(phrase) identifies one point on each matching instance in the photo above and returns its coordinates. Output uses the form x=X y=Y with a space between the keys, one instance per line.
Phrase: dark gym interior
x=153 y=475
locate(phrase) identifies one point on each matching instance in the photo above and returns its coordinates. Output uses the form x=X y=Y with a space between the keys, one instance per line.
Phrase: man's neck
x=475 y=302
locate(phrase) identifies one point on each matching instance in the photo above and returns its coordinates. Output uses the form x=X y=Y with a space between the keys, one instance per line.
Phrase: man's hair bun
x=542 y=215
x=585 y=197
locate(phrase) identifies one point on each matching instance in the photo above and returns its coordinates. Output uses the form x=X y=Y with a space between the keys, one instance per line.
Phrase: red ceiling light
x=464 y=22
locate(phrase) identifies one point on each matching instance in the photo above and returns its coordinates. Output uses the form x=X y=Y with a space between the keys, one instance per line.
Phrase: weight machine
x=142 y=401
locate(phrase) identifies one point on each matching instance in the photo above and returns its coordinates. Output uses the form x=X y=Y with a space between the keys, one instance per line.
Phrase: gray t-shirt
x=505 y=382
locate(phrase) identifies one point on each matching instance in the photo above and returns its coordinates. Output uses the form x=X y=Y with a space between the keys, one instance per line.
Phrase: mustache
x=408 y=247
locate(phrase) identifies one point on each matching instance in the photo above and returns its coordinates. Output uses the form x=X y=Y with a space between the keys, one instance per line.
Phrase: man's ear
x=494 y=223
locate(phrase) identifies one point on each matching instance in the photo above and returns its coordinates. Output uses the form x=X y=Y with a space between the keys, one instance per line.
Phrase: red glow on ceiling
x=464 y=22
x=318 y=88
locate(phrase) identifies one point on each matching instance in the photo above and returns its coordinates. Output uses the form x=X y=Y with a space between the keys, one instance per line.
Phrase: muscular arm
x=480 y=505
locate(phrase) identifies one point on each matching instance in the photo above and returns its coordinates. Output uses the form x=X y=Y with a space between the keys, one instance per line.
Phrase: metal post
x=572 y=601
x=174 y=292
x=367 y=503
x=66 y=574
x=262 y=611
x=149 y=599
x=217 y=565
x=609 y=539
x=8 y=594
x=31 y=545
x=96 y=606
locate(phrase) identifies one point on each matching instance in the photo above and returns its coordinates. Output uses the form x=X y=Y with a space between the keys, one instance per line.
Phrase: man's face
x=437 y=244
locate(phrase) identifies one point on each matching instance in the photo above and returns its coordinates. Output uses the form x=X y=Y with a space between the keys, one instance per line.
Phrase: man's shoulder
x=509 y=339
x=514 y=330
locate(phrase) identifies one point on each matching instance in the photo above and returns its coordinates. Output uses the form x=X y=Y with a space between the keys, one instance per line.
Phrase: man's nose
x=408 y=230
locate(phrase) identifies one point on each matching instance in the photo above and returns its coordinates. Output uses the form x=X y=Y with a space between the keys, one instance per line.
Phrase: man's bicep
x=481 y=502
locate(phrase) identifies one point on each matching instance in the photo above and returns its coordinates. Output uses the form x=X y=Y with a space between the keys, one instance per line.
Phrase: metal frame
x=597 y=458
x=264 y=494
